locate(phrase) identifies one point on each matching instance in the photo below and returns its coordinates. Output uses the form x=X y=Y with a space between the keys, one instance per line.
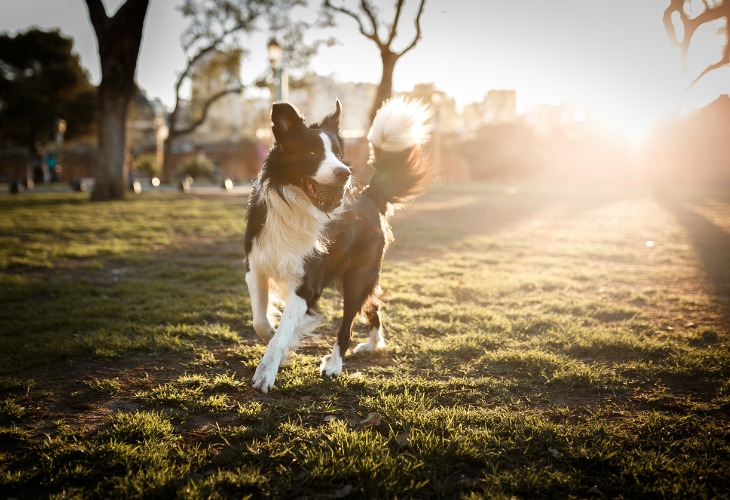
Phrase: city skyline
x=614 y=59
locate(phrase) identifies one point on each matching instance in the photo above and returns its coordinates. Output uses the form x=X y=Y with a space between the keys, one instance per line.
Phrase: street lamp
x=276 y=55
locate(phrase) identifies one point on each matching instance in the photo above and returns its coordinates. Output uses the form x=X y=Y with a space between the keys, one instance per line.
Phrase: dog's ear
x=332 y=121
x=284 y=119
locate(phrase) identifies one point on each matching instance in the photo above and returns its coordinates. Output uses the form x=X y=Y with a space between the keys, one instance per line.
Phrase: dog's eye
x=311 y=154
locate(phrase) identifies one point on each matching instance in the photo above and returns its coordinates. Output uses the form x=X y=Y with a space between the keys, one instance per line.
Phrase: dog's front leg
x=294 y=311
x=258 y=290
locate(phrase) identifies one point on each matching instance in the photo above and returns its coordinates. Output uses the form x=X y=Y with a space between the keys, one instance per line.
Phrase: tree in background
x=119 y=38
x=368 y=23
x=214 y=50
x=681 y=29
x=42 y=81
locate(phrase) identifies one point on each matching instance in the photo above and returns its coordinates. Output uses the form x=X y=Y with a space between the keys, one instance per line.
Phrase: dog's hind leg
x=258 y=290
x=375 y=339
x=332 y=364
x=355 y=294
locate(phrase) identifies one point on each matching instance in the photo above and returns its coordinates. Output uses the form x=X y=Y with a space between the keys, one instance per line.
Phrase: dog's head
x=310 y=158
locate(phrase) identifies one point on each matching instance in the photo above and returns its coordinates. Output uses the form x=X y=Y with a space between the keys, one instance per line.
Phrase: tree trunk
x=111 y=169
x=172 y=135
x=385 y=89
x=167 y=158
x=119 y=38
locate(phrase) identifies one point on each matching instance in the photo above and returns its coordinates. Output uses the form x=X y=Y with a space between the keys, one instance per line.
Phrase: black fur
x=297 y=152
x=358 y=237
x=352 y=264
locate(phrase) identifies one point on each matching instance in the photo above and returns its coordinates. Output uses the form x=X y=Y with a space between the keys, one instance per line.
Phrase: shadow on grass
x=156 y=301
x=138 y=322
x=713 y=246
x=444 y=219
x=46 y=200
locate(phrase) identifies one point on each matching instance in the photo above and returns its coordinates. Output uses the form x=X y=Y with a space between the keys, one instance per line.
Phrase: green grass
x=537 y=347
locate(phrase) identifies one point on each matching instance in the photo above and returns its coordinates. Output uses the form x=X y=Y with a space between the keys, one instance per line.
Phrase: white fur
x=326 y=172
x=375 y=341
x=294 y=229
x=294 y=312
x=258 y=289
x=399 y=124
x=332 y=364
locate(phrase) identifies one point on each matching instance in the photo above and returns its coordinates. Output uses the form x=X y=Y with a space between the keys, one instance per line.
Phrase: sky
x=613 y=57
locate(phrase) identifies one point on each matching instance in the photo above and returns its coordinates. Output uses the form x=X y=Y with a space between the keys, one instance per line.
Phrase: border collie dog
x=308 y=227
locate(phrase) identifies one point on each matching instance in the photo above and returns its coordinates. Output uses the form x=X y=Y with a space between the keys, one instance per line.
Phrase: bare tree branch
x=690 y=27
x=352 y=15
x=394 y=27
x=417 y=36
x=213 y=29
x=97 y=14
x=179 y=83
x=725 y=59
x=387 y=55
x=191 y=64
x=204 y=112
x=367 y=8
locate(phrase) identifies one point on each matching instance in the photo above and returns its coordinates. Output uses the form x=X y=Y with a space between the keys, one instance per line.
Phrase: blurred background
x=570 y=92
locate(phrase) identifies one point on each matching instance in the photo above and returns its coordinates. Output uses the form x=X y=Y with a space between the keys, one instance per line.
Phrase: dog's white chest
x=279 y=263
x=285 y=241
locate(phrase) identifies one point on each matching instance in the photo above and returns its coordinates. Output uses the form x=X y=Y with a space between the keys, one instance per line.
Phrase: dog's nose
x=342 y=174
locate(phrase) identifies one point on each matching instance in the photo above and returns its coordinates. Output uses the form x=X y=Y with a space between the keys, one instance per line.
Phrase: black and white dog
x=308 y=227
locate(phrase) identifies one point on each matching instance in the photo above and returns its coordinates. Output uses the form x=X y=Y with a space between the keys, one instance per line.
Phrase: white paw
x=369 y=346
x=331 y=366
x=375 y=342
x=264 y=377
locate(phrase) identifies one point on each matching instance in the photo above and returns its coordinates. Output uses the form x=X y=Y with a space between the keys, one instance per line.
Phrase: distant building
x=548 y=118
x=498 y=106
x=315 y=98
x=446 y=126
x=442 y=105
x=256 y=118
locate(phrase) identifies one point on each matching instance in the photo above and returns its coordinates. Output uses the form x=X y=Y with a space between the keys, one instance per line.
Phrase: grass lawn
x=540 y=344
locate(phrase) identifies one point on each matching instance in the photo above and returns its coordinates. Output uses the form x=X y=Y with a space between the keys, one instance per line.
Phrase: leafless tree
x=119 y=38
x=681 y=28
x=215 y=28
x=366 y=17
x=212 y=30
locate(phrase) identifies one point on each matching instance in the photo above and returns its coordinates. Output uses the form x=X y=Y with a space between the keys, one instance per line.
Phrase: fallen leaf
x=372 y=420
x=330 y=418
x=403 y=438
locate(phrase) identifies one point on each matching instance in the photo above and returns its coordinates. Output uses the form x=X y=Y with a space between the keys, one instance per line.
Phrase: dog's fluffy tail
x=399 y=130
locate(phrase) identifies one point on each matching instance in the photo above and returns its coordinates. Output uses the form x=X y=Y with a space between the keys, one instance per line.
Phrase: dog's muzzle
x=325 y=197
